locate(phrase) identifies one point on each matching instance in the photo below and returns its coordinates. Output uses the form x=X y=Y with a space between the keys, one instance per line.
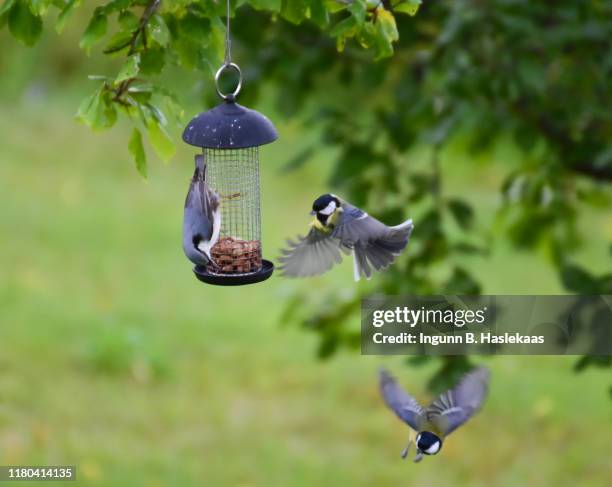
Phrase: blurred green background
x=115 y=359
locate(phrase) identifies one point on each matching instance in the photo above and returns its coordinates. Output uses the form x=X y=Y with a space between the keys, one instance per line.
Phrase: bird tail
x=205 y=247
x=194 y=252
x=381 y=252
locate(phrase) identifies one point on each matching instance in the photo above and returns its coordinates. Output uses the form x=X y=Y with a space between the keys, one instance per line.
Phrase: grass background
x=115 y=359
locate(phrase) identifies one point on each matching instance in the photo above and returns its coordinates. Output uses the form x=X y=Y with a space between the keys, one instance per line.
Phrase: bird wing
x=400 y=402
x=198 y=218
x=311 y=255
x=199 y=204
x=374 y=244
x=356 y=225
x=455 y=406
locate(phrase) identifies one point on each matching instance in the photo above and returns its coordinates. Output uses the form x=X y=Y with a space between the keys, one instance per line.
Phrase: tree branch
x=148 y=12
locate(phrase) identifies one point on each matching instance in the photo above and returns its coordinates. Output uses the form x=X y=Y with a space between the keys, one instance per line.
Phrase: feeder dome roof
x=229 y=126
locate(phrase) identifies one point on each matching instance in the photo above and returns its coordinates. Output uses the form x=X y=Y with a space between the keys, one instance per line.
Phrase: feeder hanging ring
x=229 y=96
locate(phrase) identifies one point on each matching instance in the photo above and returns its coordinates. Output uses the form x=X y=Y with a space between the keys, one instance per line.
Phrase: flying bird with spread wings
x=341 y=228
x=433 y=424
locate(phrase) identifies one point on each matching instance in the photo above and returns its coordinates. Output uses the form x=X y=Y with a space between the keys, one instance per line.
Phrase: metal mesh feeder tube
x=230 y=136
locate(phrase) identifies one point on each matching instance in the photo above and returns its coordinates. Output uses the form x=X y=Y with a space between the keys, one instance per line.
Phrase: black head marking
x=323 y=201
x=426 y=440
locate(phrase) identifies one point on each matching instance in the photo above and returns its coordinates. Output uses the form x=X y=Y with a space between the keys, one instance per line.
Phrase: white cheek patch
x=433 y=449
x=329 y=209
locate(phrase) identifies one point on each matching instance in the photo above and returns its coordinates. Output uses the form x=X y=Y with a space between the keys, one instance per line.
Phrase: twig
x=148 y=12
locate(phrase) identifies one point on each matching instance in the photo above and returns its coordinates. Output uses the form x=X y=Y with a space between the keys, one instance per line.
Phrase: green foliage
x=409 y=7
x=24 y=22
x=130 y=69
x=154 y=35
x=137 y=150
x=160 y=139
x=65 y=14
x=97 y=111
x=95 y=30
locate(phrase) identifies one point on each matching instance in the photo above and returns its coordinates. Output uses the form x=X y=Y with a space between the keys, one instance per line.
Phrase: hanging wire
x=227 y=62
x=228 y=39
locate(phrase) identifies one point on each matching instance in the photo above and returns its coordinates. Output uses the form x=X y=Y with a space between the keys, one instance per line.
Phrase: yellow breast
x=332 y=221
x=317 y=225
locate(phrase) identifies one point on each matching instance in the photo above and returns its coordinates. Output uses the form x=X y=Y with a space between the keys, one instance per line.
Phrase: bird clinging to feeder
x=443 y=416
x=202 y=218
x=339 y=227
x=229 y=136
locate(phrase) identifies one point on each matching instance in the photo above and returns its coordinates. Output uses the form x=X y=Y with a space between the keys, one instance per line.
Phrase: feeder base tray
x=267 y=268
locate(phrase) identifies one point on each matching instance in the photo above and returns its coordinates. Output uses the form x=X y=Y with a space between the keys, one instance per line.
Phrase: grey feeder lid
x=229 y=126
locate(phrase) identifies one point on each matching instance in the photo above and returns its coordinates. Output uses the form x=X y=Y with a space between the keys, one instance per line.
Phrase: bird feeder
x=230 y=136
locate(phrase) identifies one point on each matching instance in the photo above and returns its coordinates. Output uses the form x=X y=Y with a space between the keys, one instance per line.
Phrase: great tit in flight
x=202 y=217
x=340 y=227
x=443 y=416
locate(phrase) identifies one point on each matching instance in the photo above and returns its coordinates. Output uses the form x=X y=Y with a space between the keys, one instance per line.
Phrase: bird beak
x=312 y=213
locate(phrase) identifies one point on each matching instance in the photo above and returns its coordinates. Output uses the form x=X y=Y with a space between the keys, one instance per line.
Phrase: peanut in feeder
x=230 y=136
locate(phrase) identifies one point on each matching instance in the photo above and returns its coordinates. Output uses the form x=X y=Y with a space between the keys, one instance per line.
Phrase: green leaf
x=128 y=21
x=410 y=7
x=158 y=115
x=25 y=26
x=368 y=36
x=193 y=27
x=358 y=10
x=161 y=141
x=97 y=111
x=295 y=11
x=271 y=5
x=119 y=5
x=152 y=61
x=6 y=6
x=462 y=212
x=578 y=280
x=386 y=21
x=604 y=284
x=4 y=12
x=345 y=27
x=140 y=92
x=129 y=69
x=188 y=54
x=328 y=346
x=213 y=52
x=95 y=31
x=318 y=13
x=387 y=32
x=119 y=42
x=461 y=282
x=137 y=150
x=171 y=104
x=64 y=14
x=39 y=7
x=158 y=30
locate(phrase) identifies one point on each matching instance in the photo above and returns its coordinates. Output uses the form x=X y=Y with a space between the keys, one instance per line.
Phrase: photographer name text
x=468 y=338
